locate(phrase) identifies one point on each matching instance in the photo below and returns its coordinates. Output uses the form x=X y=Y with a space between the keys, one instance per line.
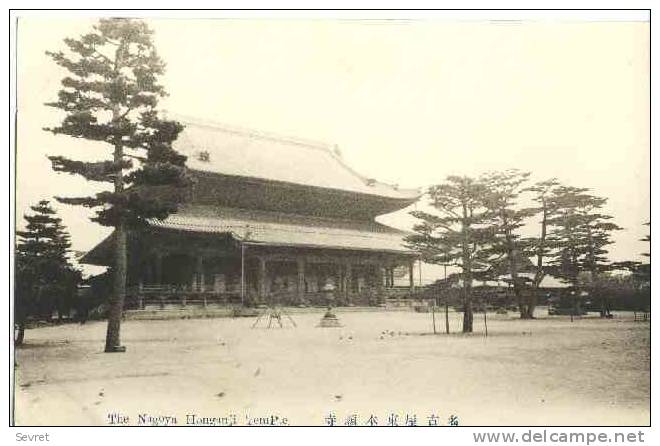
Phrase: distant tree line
x=476 y=226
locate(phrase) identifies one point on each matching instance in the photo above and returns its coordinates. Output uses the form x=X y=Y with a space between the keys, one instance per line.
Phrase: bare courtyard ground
x=544 y=372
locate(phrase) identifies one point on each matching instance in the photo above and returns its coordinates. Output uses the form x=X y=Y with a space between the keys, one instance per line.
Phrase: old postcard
x=375 y=218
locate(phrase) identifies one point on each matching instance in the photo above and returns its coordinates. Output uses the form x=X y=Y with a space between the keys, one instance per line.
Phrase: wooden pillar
x=360 y=275
x=242 y=274
x=199 y=273
x=158 y=267
x=142 y=272
x=158 y=273
x=262 y=278
x=140 y=295
x=347 y=282
x=148 y=272
x=380 y=289
x=301 y=279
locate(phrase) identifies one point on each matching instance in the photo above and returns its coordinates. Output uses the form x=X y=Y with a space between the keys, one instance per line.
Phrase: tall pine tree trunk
x=513 y=270
x=539 y=274
x=467 y=274
x=531 y=303
x=467 y=306
x=595 y=290
x=116 y=310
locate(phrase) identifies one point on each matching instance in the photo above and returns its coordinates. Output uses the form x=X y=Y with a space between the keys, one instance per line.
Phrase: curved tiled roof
x=226 y=150
x=272 y=229
x=278 y=229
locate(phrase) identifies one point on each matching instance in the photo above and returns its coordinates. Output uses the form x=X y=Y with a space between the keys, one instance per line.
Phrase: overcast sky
x=407 y=102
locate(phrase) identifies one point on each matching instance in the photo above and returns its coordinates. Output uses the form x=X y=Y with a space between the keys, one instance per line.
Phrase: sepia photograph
x=342 y=219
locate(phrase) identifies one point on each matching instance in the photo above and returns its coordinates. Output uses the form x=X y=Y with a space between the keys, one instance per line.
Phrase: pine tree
x=45 y=279
x=457 y=234
x=502 y=191
x=538 y=246
x=110 y=96
x=579 y=236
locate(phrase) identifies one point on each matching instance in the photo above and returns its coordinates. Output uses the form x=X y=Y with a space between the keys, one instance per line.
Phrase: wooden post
x=159 y=267
x=360 y=275
x=379 y=284
x=447 y=314
x=433 y=315
x=200 y=273
x=146 y=272
x=347 y=282
x=411 y=277
x=262 y=278
x=300 y=291
x=485 y=322
x=193 y=282
x=140 y=295
x=573 y=305
x=339 y=283
x=242 y=274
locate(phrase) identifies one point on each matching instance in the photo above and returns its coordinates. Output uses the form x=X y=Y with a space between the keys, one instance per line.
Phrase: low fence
x=642 y=316
x=168 y=296
x=162 y=296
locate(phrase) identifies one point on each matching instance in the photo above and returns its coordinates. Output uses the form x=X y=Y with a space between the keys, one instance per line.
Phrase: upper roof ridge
x=331 y=150
x=231 y=128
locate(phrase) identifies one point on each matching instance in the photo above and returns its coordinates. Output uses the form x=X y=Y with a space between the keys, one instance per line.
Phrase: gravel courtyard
x=543 y=372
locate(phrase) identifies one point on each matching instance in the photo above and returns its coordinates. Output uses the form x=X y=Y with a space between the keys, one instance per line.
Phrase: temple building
x=269 y=220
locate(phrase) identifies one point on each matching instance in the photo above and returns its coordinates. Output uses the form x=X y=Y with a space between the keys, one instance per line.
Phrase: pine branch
x=102 y=171
x=89 y=202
